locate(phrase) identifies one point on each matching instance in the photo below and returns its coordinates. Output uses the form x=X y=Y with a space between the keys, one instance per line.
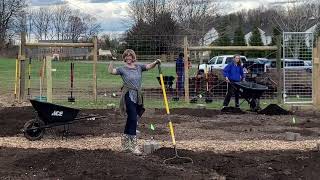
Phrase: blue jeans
x=132 y=113
x=180 y=84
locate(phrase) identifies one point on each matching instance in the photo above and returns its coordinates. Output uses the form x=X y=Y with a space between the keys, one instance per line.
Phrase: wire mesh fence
x=205 y=72
x=7 y=77
x=297 y=67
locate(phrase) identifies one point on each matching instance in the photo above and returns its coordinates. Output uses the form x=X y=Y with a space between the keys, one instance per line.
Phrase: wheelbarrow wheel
x=33 y=129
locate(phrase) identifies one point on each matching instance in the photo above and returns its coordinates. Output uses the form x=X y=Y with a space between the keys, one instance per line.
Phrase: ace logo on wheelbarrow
x=57 y=113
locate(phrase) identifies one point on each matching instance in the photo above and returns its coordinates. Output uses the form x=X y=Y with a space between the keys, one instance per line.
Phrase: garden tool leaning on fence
x=208 y=98
x=71 y=98
x=176 y=157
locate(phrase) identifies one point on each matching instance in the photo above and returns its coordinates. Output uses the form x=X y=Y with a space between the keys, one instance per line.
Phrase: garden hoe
x=176 y=159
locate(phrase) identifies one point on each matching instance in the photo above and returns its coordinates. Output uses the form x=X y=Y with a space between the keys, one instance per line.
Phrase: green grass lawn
x=7 y=74
x=83 y=74
x=82 y=78
x=83 y=81
x=103 y=104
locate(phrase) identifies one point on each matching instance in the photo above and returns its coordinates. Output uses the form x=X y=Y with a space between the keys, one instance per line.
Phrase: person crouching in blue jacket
x=233 y=72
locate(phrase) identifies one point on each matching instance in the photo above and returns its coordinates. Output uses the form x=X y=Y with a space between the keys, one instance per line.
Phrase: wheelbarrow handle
x=233 y=84
x=159 y=68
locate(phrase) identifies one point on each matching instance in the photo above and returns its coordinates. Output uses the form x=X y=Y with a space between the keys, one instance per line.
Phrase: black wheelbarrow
x=49 y=115
x=251 y=92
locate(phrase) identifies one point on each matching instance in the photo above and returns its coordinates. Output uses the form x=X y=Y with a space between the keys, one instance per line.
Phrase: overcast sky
x=113 y=15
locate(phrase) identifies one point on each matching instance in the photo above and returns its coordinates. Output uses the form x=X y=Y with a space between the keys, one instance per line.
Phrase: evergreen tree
x=275 y=32
x=255 y=39
x=223 y=40
x=157 y=37
x=238 y=39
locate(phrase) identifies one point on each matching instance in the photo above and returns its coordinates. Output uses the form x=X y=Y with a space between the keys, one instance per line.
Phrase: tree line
x=159 y=26
x=58 y=22
x=168 y=21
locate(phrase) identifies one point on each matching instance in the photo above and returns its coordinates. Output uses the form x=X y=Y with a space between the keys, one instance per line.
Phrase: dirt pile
x=274 y=109
x=8 y=101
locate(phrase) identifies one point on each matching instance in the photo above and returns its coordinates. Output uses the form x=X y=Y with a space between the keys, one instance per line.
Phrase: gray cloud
x=115 y=24
x=103 y=1
x=100 y=1
x=46 y=2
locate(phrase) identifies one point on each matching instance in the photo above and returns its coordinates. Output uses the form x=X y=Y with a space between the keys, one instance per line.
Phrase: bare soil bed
x=223 y=146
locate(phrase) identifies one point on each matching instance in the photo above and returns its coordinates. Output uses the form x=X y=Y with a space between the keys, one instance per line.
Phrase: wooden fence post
x=49 y=78
x=21 y=58
x=186 y=70
x=280 y=75
x=95 y=59
x=316 y=74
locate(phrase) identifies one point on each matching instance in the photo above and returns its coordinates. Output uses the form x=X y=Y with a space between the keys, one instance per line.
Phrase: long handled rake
x=176 y=159
x=71 y=98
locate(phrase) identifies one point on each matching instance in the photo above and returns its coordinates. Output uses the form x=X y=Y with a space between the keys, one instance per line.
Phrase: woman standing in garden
x=131 y=102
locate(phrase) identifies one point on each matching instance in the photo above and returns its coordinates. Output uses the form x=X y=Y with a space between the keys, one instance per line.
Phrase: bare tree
x=147 y=10
x=91 y=26
x=191 y=16
x=60 y=22
x=60 y=16
x=76 y=28
x=189 y=12
x=297 y=15
x=41 y=20
x=9 y=10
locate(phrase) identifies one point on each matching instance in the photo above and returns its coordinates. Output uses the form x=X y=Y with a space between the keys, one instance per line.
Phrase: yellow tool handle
x=167 y=109
x=172 y=133
x=164 y=94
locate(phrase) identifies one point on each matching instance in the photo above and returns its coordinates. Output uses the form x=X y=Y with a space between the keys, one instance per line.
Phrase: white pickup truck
x=219 y=62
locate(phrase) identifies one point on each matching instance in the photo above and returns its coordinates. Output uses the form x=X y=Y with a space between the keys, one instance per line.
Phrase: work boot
x=134 y=148
x=125 y=143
